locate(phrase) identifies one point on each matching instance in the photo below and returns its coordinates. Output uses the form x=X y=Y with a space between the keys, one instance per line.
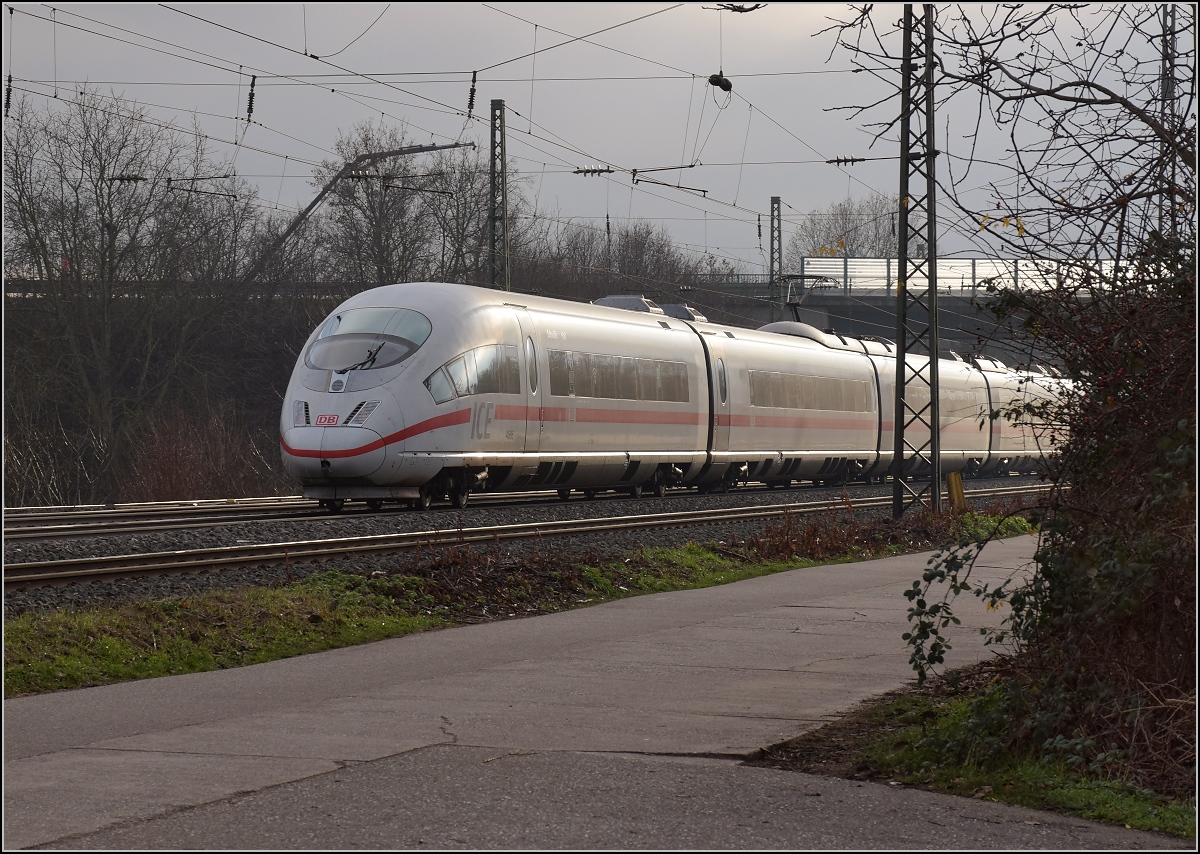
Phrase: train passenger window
x=581 y=374
x=792 y=383
x=721 y=379
x=601 y=376
x=647 y=380
x=808 y=392
x=508 y=369
x=531 y=364
x=560 y=373
x=606 y=380
x=673 y=381
x=487 y=367
x=627 y=379
x=778 y=395
x=798 y=391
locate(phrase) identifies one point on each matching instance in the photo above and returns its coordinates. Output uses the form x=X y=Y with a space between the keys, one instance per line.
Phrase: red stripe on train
x=509 y=412
x=461 y=416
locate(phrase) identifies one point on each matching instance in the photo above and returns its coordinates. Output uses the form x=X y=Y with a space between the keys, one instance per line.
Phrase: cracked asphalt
x=622 y=725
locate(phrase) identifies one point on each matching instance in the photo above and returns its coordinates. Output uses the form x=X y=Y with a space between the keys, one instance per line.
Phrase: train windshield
x=367 y=338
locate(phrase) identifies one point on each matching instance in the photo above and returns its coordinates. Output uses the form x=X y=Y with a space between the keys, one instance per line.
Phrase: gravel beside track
x=356 y=522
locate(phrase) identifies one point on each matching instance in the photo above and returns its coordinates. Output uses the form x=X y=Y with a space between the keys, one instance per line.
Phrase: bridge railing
x=955 y=274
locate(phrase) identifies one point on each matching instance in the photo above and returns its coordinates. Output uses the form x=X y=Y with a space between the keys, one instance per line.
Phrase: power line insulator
x=721 y=82
x=471 y=97
x=250 y=103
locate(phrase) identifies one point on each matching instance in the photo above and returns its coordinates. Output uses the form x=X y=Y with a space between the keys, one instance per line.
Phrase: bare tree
x=1079 y=124
x=376 y=227
x=459 y=190
x=125 y=241
x=854 y=228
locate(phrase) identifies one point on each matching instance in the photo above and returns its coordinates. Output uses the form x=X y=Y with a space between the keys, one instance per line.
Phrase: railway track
x=54 y=523
x=36 y=524
x=41 y=524
x=73 y=570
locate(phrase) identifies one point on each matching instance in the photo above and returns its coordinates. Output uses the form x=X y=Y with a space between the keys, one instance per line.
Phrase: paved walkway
x=617 y=726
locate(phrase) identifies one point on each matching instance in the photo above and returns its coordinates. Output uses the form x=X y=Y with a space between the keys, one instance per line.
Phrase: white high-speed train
x=426 y=390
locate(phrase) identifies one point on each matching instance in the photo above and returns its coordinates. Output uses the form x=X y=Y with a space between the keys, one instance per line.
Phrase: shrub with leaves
x=1104 y=632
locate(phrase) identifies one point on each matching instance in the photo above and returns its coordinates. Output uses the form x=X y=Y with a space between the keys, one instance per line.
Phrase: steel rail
x=117 y=511
x=27 y=523
x=174 y=516
x=75 y=569
x=177 y=516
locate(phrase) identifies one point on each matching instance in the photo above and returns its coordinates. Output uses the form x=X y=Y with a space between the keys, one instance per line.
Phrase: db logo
x=326 y=420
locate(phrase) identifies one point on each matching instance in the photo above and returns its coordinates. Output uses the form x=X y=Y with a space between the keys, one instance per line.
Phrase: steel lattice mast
x=917 y=412
x=777 y=294
x=498 y=213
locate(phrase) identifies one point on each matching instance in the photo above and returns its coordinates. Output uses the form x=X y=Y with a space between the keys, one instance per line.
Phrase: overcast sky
x=635 y=96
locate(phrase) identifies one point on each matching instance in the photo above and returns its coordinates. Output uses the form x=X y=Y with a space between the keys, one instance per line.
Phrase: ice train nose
x=312 y=453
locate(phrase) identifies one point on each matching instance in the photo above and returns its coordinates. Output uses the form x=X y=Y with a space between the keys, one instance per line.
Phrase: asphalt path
x=621 y=725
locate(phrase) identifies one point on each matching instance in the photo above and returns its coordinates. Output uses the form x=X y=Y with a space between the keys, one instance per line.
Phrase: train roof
x=459 y=299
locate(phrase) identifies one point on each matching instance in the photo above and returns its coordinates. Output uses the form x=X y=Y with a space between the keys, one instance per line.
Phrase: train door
x=536 y=386
x=718 y=371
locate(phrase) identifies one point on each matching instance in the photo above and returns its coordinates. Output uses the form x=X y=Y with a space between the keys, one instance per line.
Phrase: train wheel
x=635 y=491
x=374 y=504
x=424 y=501
x=589 y=494
x=658 y=486
x=459 y=496
x=564 y=495
x=334 y=505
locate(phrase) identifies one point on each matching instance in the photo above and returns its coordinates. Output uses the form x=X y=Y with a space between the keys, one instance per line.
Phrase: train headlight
x=300 y=414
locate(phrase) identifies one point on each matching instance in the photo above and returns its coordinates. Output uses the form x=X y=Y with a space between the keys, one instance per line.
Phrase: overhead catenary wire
x=178 y=129
x=351 y=79
x=571 y=39
x=574 y=38
x=356 y=38
x=658 y=196
x=227 y=67
x=317 y=58
x=706 y=211
x=368 y=77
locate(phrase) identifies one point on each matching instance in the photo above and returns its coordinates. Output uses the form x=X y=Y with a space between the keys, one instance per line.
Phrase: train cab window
x=490 y=369
x=463 y=381
x=531 y=364
x=440 y=387
x=721 y=386
x=362 y=339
